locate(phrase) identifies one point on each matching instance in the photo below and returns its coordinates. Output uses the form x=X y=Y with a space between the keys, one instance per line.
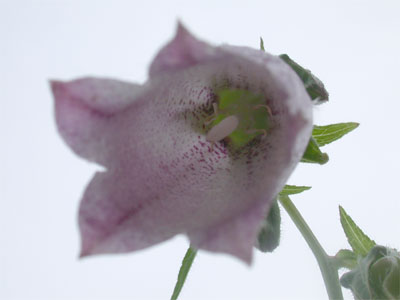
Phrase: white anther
x=223 y=129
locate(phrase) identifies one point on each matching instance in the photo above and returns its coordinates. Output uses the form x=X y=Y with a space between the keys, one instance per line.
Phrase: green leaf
x=357 y=239
x=313 y=154
x=345 y=259
x=330 y=133
x=293 y=189
x=270 y=232
x=313 y=85
x=183 y=271
x=262 y=44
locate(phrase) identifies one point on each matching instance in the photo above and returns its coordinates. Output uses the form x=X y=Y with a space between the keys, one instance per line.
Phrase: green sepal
x=262 y=44
x=270 y=232
x=358 y=240
x=293 y=189
x=183 y=271
x=345 y=259
x=313 y=154
x=313 y=85
x=327 y=134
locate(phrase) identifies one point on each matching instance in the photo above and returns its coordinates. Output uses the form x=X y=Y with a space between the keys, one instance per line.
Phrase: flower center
x=239 y=115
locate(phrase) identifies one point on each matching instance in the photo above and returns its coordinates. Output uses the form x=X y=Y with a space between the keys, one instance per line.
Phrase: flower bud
x=377 y=276
x=270 y=232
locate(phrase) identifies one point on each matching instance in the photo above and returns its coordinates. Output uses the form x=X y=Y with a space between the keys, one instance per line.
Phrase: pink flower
x=165 y=174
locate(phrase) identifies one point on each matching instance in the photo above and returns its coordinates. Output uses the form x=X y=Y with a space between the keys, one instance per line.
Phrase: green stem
x=328 y=270
x=183 y=271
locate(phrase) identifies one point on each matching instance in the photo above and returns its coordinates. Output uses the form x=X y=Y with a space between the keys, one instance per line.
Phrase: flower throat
x=240 y=116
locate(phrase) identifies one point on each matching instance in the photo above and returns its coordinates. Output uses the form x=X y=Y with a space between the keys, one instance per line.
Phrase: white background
x=353 y=46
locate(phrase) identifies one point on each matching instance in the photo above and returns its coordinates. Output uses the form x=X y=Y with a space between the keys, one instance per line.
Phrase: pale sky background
x=353 y=46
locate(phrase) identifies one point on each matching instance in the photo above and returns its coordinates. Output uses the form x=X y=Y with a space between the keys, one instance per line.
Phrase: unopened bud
x=270 y=232
x=377 y=276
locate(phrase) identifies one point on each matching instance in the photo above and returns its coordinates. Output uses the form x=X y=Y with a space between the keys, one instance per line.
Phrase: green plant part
x=270 y=232
x=358 y=240
x=312 y=83
x=327 y=134
x=313 y=154
x=240 y=116
x=377 y=276
x=293 y=189
x=345 y=259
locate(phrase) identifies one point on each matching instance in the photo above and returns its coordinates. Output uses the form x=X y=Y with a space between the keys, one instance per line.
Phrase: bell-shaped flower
x=202 y=148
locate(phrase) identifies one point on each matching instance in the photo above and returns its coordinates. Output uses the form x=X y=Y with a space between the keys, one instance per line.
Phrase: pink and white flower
x=162 y=176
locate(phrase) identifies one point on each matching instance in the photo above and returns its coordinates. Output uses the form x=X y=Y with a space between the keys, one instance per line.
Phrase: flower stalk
x=328 y=270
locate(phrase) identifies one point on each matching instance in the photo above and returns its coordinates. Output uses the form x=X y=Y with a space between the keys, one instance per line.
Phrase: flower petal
x=84 y=108
x=117 y=215
x=235 y=236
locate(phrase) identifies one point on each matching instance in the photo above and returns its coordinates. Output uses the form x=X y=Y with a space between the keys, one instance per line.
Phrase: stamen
x=209 y=120
x=212 y=118
x=251 y=131
x=265 y=106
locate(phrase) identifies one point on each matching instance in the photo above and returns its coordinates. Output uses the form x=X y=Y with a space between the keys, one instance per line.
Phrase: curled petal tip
x=182 y=32
x=180 y=28
x=183 y=51
x=55 y=86
x=85 y=253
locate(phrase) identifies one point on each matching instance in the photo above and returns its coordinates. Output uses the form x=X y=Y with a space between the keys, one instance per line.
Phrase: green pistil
x=251 y=111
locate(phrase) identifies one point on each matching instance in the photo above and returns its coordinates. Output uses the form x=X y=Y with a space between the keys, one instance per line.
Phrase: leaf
x=345 y=259
x=262 y=44
x=313 y=85
x=327 y=134
x=357 y=239
x=183 y=271
x=270 y=232
x=293 y=189
x=313 y=154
